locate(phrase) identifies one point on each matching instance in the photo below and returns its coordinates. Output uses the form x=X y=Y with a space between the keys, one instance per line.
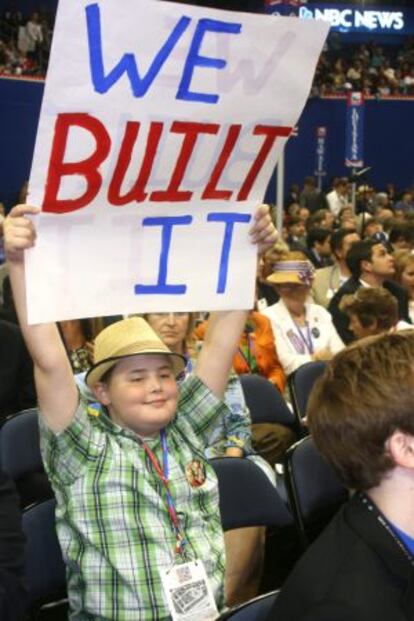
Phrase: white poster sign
x=160 y=126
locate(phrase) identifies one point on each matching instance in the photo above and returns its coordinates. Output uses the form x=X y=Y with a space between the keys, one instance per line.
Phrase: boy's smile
x=141 y=393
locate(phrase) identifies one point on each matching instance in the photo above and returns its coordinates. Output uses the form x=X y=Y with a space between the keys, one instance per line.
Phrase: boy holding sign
x=137 y=504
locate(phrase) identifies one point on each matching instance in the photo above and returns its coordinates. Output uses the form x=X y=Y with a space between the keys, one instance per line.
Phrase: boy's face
x=141 y=393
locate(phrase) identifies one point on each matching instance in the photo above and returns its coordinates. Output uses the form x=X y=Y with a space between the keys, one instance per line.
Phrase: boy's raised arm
x=56 y=389
x=225 y=327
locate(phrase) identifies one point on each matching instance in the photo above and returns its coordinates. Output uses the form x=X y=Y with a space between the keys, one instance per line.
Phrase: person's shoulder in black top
x=361 y=567
x=355 y=571
x=13 y=597
x=339 y=318
x=17 y=391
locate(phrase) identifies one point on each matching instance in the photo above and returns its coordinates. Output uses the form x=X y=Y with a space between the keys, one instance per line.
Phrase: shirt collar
x=105 y=421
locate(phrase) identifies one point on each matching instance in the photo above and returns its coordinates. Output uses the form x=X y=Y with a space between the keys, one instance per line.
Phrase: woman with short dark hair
x=371 y=311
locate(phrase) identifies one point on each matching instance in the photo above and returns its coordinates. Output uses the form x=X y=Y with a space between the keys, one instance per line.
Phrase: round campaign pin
x=195 y=473
x=315 y=333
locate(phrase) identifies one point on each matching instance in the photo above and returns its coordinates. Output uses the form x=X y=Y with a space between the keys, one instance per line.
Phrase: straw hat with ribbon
x=294 y=272
x=129 y=337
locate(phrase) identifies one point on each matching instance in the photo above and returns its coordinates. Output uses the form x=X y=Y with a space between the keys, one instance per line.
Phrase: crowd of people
x=109 y=386
x=370 y=68
x=25 y=42
x=132 y=409
x=325 y=251
x=344 y=66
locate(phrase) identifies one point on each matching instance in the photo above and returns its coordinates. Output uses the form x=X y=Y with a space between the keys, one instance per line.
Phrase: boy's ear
x=100 y=391
x=366 y=266
x=401 y=447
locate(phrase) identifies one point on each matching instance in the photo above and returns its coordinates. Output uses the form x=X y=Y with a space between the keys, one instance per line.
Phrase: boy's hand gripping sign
x=160 y=126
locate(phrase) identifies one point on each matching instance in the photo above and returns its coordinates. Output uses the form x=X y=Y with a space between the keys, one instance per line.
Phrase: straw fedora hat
x=294 y=272
x=129 y=337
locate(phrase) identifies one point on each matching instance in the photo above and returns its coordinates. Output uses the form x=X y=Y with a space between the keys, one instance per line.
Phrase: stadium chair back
x=247 y=496
x=265 y=402
x=44 y=566
x=257 y=609
x=300 y=385
x=315 y=493
x=20 y=457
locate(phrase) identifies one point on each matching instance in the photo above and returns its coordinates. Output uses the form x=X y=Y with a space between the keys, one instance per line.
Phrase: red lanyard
x=163 y=475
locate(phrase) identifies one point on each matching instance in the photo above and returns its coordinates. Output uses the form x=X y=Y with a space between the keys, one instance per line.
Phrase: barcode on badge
x=183 y=574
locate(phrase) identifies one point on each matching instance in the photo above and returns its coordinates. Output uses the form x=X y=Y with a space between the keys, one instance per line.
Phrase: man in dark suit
x=12 y=592
x=371 y=265
x=319 y=252
x=361 y=568
x=312 y=198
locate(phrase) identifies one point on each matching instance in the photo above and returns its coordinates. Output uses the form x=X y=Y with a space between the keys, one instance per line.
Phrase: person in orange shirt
x=256 y=352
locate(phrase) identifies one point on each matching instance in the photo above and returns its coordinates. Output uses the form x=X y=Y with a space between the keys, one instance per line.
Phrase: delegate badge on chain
x=189 y=593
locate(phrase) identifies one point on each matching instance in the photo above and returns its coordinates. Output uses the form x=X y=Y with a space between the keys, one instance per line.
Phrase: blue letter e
x=194 y=59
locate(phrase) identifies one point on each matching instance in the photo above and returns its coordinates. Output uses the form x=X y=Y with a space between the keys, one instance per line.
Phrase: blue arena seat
x=44 y=566
x=314 y=491
x=256 y=609
x=20 y=457
x=247 y=497
x=265 y=402
x=300 y=385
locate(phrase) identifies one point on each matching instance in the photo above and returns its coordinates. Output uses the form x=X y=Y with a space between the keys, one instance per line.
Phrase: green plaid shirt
x=112 y=518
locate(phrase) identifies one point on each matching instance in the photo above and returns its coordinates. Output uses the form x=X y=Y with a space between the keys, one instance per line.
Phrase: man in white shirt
x=338 y=197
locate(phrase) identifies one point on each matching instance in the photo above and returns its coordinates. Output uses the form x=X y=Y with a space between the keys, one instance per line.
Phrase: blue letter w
x=101 y=82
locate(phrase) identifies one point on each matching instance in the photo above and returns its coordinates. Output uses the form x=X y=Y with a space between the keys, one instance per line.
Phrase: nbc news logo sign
x=354 y=19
